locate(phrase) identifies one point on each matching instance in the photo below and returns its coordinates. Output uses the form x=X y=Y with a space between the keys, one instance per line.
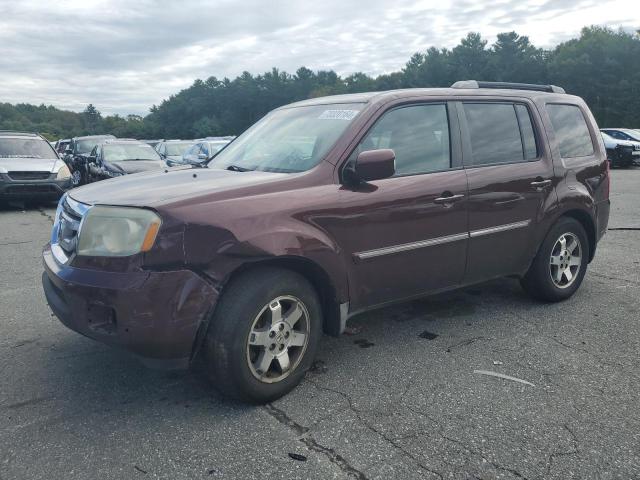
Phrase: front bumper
x=155 y=315
x=47 y=188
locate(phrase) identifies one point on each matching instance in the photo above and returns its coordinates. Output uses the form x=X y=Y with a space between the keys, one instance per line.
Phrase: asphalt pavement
x=397 y=399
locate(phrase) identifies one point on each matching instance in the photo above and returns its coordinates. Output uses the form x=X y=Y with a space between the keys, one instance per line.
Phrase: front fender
x=218 y=252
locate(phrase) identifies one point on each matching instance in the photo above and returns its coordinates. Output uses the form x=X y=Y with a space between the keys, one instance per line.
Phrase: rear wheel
x=561 y=263
x=263 y=335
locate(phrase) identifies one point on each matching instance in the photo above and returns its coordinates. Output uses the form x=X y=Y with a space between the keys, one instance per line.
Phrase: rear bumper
x=155 y=315
x=48 y=188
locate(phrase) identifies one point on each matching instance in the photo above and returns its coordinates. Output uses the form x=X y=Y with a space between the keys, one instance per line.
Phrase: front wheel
x=264 y=335
x=76 y=178
x=561 y=263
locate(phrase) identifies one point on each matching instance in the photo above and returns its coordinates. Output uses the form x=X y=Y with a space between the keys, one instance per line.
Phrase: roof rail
x=508 y=86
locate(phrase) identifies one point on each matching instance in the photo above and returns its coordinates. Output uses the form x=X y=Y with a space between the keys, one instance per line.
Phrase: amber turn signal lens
x=150 y=237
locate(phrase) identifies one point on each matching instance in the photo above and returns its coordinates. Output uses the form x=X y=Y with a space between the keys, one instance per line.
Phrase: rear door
x=511 y=182
x=407 y=234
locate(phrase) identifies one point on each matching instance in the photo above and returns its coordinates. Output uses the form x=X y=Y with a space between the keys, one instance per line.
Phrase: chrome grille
x=64 y=237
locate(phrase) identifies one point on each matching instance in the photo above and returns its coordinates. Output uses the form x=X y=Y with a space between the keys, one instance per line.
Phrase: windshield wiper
x=236 y=168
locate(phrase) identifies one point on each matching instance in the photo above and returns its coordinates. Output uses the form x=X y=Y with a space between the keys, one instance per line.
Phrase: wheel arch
x=586 y=220
x=315 y=274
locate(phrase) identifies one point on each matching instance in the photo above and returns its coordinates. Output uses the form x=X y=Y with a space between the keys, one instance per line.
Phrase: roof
x=12 y=133
x=124 y=140
x=86 y=137
x=469 y=87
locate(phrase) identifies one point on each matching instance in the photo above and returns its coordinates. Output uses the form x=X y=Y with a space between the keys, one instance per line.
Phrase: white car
x=622 y=153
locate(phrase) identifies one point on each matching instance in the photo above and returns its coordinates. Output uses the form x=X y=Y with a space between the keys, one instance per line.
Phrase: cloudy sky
x=124 y=56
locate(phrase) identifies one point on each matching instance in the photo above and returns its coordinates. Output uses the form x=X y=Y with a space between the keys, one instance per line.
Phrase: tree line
x=601 y=65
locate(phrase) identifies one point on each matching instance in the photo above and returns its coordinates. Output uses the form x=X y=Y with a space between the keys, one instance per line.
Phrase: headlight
x=117 y=232
x=63 y=173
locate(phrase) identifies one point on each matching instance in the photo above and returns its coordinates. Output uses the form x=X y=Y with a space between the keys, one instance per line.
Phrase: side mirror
x=375 y=165
x=202 y=156
x=68 y=151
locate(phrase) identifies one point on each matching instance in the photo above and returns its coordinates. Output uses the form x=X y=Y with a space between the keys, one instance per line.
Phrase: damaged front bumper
x=154 y=314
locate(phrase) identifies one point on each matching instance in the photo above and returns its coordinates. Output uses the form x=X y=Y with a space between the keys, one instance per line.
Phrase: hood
x=134 y=166
x=51 y=165
x=153 y=188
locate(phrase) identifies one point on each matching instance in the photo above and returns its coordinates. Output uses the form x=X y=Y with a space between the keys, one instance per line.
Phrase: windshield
x=177 y=149
x=216 y=147
x=288 y=140
x=85 y=146
x=633 y=134
x=26 y=148
x=124 y=152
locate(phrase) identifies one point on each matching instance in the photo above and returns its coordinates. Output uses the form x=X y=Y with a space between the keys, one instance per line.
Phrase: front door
x=511 y=181
x=407 y=234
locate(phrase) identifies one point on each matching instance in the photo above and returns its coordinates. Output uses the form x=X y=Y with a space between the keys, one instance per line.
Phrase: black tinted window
x=494 y=133
x=571 y=131
x=419 y=136
x=526 y=130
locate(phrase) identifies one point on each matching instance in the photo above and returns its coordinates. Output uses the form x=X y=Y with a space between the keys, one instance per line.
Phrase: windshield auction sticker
x=338 y=114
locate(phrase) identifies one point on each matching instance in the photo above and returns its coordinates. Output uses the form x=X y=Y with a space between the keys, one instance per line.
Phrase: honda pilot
x=324 y=209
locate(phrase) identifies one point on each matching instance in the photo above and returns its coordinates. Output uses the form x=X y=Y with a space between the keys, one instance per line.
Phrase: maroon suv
x=324 y=209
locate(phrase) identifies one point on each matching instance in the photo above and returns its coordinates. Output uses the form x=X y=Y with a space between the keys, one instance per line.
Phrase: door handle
x=540 y=184
x=448 y=199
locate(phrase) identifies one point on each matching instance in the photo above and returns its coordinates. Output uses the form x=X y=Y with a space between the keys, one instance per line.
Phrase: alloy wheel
x=278 y=339
x=566 y=260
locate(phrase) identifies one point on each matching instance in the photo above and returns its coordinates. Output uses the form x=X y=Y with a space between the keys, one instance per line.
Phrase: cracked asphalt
x=398 y=399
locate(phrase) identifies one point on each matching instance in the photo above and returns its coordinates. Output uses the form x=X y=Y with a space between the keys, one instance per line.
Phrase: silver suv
x=30 y=168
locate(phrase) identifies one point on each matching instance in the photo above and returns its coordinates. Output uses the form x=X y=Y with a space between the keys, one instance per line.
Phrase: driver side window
x=418 y=135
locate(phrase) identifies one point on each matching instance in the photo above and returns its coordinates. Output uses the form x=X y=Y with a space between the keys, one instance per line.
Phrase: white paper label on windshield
x=338 y=114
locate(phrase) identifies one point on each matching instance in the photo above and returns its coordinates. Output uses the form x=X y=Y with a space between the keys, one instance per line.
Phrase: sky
x=126 y=55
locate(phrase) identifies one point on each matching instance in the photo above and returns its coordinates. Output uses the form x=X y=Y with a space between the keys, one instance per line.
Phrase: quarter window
x=419 y=136
x=526 y=131
x=572 y=133
x=499 y=133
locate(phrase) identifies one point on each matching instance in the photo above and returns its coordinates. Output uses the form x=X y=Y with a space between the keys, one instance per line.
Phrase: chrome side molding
x=378 y=252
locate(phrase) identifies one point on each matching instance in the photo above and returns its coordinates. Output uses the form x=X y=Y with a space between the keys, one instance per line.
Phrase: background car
x=117 y=157
x=153 y=143
x=621 y=153
x=623 y=134
x=76 y=155
x=202 y=151
x=61 y=145
x=172 y=151
x=30 y=168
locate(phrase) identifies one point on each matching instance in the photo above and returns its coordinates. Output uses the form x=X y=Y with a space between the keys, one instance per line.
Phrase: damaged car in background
x=76 y=156
x=117 y=157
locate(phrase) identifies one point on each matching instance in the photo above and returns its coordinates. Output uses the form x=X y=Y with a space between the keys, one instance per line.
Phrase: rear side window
x=499 y=133
x=571 y=130
x=418 y=135
x=526 y=131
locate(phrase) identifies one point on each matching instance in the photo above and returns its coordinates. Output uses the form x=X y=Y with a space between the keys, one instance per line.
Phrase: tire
x=244 y=314
x=547 y=278
x=77 y=179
